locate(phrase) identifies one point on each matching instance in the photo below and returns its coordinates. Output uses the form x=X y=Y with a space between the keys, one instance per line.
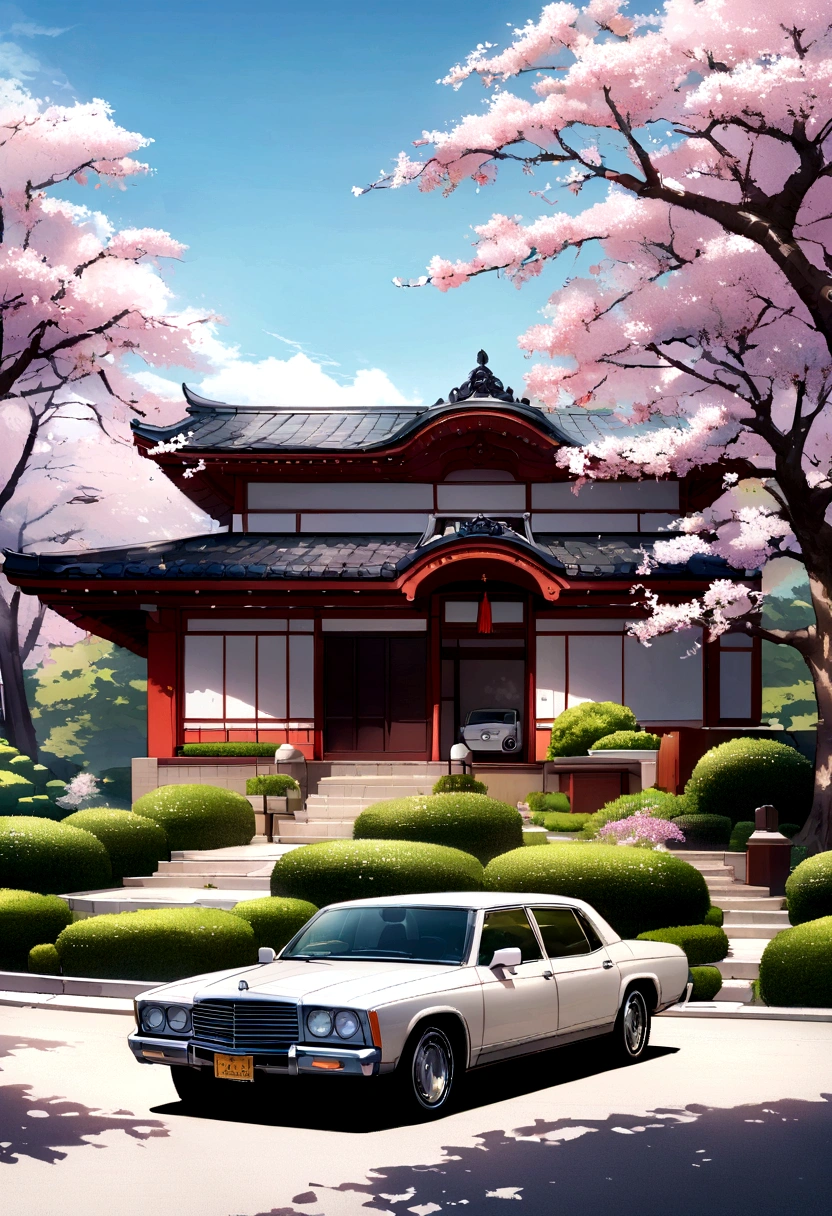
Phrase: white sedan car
x=420 y=987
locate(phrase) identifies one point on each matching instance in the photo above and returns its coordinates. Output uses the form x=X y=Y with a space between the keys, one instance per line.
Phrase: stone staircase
x=350 y=789
x=198 y=868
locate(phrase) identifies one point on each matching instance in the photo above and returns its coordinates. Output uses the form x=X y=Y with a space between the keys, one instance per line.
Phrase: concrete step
x=221 y=882
x=751 y=930
x=374 y=793
x=179 y=868
x=737 y=889
x=735 y=990
x=397 y=768
x=739 y=969
x=759 y=903
x=307 y=833
x=746 y=916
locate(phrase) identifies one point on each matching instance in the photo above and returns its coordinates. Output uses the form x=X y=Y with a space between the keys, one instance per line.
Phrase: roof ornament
x=482 y=382
x=482 y=525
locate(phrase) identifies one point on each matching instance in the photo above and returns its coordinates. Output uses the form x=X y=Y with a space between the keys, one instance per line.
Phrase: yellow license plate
x=234 y=1068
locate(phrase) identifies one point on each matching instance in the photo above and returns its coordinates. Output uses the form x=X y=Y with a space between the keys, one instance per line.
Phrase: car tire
x=632 y=1027
x=427 y=1073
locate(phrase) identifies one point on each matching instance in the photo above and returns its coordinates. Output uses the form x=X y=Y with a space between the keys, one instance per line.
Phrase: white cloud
x=154 y=383
x=16 y=62
x=29 y=29
x=298 y=381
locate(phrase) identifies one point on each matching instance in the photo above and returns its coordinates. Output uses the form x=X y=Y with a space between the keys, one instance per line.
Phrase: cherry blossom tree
x=82 y=306
x=697 y=274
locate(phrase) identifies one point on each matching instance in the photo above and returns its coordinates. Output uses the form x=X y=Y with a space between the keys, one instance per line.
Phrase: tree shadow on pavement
x=360 y=1106
x=770 y=1159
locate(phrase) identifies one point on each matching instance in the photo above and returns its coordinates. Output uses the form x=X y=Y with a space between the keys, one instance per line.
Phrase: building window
x=736 y=673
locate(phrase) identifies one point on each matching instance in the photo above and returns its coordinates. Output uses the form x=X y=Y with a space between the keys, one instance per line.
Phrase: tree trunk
x=20 y=730
x=817 y=832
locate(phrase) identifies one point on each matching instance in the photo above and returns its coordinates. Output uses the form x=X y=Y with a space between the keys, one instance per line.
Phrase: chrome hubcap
x=432 y=1068
x=635 y=1023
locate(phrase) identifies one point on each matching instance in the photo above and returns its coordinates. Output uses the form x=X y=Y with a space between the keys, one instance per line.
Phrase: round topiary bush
x=473 y=823
x=714 y=916
x=701 y=943
x=707 y=982
x=627 y=740
x=459 y=783
x=576 y=729
x=359 y=869
x=199 y=816
x=739 y=836
x=541 y=804
x=26 y=920
x=554 y=821
x=704 y=831
x=158 y=944
x=275 y=921
x=631 y=888
x=796 y=967
x=647 y=802
x=809 y=889
x=735 y=778
x=44 y=960
x=135 y=845
x=39 y=855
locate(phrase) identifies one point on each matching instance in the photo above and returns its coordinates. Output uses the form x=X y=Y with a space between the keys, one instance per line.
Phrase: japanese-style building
x=339 y=607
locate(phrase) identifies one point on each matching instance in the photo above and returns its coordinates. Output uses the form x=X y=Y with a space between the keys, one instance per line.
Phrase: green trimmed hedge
x=647 y=802
x=39 y=855
x=44 y=960
x=576 y=729
x=809 y=889
x=55 y=790
x=633 y=889
x=707 y=982
x=790 y=829
x=275 y=921
x=739 y=836
x=158 y=944
x=629 y=740
x=41 y=806
x=459 y=783
x=736 y=777
x=472 y=823
x=135 y=845
x=358 y=869
x=701 y=943
x=542 y=804
x=12 y=787
x=7 y=754
x=199 y=816
x=26 y=919
x=714 y=916
x=229 y=749
x=40 y=776
x=796 y=967
x=554 y=821
x=275 y=786
x=704 y=831
x=24 y=766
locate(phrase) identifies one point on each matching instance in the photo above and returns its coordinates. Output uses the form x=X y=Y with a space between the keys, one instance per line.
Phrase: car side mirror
x=509 y=958
x=266 y=955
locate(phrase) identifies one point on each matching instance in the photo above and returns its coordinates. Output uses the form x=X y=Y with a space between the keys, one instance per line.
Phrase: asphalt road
x=720 y=1119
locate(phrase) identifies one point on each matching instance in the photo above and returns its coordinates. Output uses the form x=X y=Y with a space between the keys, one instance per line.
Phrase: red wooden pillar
x=530 y=725
x=435 y=675
x=162 y=684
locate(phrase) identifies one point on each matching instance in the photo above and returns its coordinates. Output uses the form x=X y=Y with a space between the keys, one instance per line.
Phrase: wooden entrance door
x=375 y=696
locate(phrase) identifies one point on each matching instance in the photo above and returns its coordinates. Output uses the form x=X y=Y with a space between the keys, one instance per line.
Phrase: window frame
x=553 y=958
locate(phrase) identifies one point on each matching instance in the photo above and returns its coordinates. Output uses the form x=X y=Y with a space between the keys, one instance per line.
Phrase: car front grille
x=246 y=1025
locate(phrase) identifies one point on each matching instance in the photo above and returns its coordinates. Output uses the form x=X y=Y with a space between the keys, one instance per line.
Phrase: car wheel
x=426 y=1073
x=632 y=1027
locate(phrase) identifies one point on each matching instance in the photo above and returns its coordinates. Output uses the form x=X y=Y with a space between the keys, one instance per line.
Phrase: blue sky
x=264 y=115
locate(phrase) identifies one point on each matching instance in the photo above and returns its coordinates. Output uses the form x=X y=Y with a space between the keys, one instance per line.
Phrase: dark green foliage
x=159 y=944
x=12 y=787
x=714 y=916
x=557 y=822
x=707 y=982
x=809 y=889
x=55 y=789
x=275 y=786
x=229 y=749
x=199 y=816
x=701 y=943
x=799 y=855
x=704 y=831
x=275 y=921
x=473 y=823
x=736 y=777
x=40 y=776
x=631 y=888
x=789 y=829
x=359 y=869
x=44 y=960
x=629 y=740
x=796 y=967
x=24 y=766
x=460 y=783
x=135 y=845
x=648 y=802
x=576 y=729
x=37 y=804
x=740 y=835
x=39 y=855
x=27 y=919
x=7 y=754
x=539 y=803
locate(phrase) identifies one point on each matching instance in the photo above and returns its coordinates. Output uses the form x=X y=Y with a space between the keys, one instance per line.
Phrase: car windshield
x=409 y=934
x=480 y=717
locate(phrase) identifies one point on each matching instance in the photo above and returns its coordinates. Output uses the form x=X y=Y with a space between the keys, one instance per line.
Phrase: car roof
x=464 y=899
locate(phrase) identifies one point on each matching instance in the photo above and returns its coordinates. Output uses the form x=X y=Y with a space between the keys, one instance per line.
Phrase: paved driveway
x=720 y=1118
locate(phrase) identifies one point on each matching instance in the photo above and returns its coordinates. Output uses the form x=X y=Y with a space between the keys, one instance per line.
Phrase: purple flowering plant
x=641 y=830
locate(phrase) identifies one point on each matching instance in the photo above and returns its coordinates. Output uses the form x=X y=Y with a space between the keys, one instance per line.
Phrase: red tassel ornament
x=484 y=615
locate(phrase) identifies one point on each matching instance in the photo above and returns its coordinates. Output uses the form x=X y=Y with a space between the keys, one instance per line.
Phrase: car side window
x=594 y=940
x=561 y=932
x=508 y=927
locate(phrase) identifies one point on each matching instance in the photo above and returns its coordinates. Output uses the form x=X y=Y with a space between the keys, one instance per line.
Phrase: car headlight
x=319 y=1022
x=153 y=1018
x=485 y=736
x=347 y=1023
x=179 y=1019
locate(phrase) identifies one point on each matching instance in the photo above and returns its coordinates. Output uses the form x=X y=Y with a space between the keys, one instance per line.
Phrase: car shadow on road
x=361 y=1106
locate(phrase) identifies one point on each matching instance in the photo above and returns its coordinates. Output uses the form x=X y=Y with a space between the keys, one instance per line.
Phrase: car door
x=587 y=979
x=520 y=1006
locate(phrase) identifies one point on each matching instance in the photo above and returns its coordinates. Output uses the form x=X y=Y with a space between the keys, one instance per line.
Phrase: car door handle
x=548 y=975
x=607 y=964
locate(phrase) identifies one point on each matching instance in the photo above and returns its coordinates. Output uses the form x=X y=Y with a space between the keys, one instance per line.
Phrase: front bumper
x=301 y=1058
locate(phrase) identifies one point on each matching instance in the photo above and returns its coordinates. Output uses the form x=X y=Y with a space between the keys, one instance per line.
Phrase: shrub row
x=540 y=804
x=704 y=831
x=627 y=740
x=555 y=821
x=26 y=919
x=809 y=889
x=648 y=802
x=473 y=823
x=228 y=749
x=275 y=786
x=459 y=783
x=51 y=858
x=707 y=982
x=199 y=816
x=796 y=967
x=135 y=845
x=701 y=943
x=576 y=729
